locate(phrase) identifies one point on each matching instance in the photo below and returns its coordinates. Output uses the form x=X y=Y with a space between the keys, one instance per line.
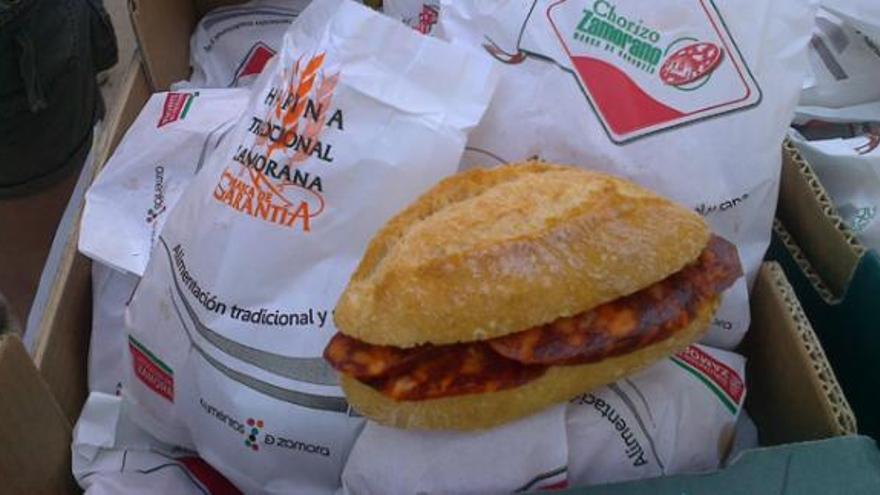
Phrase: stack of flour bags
x=837 y=122
x=213 y=289
x=126 y=207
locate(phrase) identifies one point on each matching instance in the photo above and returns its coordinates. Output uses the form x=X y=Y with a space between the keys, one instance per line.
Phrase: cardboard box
x=837 y=279
x=6 y=323
x=793 y=393
x=35 y=433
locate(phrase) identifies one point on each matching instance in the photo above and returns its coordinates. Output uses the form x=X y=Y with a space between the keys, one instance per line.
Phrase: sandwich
x=501 y=292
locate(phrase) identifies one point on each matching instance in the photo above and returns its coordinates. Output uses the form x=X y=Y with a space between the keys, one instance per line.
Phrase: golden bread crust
x=486 y=253
x=486 y=410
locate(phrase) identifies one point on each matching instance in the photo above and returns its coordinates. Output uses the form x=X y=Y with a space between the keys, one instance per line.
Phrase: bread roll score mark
x=618 y=327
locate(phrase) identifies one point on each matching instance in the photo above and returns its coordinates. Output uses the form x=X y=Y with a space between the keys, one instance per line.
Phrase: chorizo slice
x=631 y=322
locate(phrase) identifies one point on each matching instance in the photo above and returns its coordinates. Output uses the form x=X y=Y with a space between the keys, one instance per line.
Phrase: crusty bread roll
x=486 y=253
x=558 y=384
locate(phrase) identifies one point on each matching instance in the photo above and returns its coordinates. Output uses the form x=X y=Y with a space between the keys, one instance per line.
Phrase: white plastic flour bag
x=678 y=416
x=111 y=290
x=231 y=45
x=354 y=118
x=863 y=14
x=166 y=145
x=111 y=455
x=844 y=70
x=849 y=168
x=421 y=15
x=690 y=98
x=526 y=455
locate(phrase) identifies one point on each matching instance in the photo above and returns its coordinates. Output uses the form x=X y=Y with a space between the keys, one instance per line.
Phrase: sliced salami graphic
x=691 y=63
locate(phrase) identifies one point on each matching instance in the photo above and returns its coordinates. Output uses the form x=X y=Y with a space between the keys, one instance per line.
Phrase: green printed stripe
x=150 y=355
x=189 y=100
x=728 y=403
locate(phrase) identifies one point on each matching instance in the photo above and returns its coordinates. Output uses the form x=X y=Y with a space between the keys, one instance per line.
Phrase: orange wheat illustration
x=288 y=118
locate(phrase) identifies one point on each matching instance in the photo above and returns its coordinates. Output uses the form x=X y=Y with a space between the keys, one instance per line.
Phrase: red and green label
x=151 y=370
x=646 y=67
x=721 y=379
x=176 y=107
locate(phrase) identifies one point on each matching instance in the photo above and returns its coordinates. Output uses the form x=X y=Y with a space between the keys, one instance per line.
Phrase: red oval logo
x=691 y=63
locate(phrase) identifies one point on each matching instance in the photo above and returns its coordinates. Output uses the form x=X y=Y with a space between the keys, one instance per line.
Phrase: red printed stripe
x=256 y=60
x=719 y=373
x=561 y=485
x=625 y=106
x=150 y=371
x=210 y=478
x=171 y=110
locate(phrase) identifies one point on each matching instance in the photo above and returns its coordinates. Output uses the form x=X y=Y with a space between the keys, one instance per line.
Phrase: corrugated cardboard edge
x=35 y=434
x=163 y=29
x=803 y=263
x=779 y=360
x=808 y=214
x=205 y=6
x=60 y=344
x=845 y=423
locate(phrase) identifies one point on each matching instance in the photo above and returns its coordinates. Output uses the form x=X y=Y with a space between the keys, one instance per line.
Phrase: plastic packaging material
x=231 y=45
x=164 y=148
x=354 y=118
x=690 y=98
x=112 y=455
x=420 y=15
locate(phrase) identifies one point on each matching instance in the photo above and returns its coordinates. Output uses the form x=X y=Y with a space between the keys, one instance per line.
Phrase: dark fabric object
x=50 y=51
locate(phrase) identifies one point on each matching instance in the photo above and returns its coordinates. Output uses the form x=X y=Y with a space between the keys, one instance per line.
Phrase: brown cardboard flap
x=205 y=6
x=35 y=435
x=793 y=394
x=134 y=94
x=163 y=28
x=62 y=342
x=810 y=217
x=804 y=264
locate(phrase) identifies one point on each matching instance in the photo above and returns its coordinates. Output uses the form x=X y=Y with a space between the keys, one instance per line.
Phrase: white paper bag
x=689 y=98
x=111 y=290
x=421 y=15
x=165 y=146
x=745 y=437
x=111 y=455
x=525 y=455
x=864 y=15
x=231 y=45
x=352 y=120
x=836 y=123
x=848 y=168
x=678 y=416
x=844 y=69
